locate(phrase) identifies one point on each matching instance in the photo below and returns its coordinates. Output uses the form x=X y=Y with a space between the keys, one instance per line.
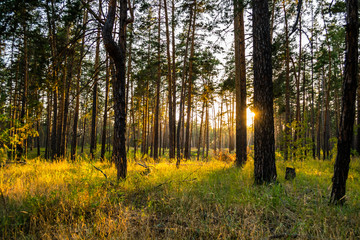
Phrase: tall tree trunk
x=158 y=82
x=173 y=78
x=240 y=83
x=180 y=127
x=215 y=123
x=312 y=84
x=264 y=158
x=66 y=103
x=103 y=137
x=170 y=87
x=287 y=83
x=20 y=147
x=118 y=53
x=187 y=151
x=341 y=168
x=77 y=98
x=48 y=125
x=93 y=139
x=200 y=130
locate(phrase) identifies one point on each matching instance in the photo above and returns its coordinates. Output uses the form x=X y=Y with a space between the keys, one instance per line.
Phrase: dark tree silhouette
x=341 y=168
x=264 y=142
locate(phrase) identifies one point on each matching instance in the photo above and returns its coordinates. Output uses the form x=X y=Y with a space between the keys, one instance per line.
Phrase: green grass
x=201 y=200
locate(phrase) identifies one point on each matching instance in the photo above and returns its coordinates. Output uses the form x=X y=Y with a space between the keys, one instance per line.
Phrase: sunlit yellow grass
x=65 y=200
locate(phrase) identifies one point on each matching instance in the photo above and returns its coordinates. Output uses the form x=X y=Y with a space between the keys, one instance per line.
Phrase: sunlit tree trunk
x=187 y=151
x=180 y=127
x=158 y=82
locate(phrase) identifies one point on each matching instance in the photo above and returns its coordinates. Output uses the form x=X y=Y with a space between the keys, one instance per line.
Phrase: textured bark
x=341 y=168
x=118 y=53
x=264 y=143
x=240 y=81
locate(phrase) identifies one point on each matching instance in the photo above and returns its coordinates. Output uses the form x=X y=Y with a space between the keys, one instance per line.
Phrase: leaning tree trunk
x=341 y=168
x=264 y=142
x=118 y=53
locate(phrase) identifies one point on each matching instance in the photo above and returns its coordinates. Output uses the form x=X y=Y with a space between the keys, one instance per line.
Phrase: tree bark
x=341 y=168
x=118 y=53
x=240 y=83
x=264 y=142
x=187 y=151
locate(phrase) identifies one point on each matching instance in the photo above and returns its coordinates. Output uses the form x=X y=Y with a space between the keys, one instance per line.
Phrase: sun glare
x=249 y=117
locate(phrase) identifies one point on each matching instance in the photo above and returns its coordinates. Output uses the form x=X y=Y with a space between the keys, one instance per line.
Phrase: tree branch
x=97 y=17
x=297 y=18
x=131 y=19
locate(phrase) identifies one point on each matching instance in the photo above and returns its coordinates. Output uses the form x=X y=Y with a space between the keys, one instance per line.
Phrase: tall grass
x=201 y=200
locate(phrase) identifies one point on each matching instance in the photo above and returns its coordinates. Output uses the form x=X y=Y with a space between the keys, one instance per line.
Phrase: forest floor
x=200 y=200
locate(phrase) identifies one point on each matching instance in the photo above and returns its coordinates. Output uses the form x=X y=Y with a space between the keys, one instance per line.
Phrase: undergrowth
x=201 y=200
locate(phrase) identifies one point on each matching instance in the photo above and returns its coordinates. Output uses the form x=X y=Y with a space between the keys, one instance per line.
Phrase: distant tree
x=264 y=142
x=341 y=168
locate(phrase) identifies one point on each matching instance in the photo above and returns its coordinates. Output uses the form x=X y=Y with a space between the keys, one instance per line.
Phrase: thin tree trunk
x=93 y=138
x=180 y=127
x=200 y=131
x=103 y=137
x=158 y=82
x=287 y=83
x=187 y=151
x=77 y=99
x=170 y=87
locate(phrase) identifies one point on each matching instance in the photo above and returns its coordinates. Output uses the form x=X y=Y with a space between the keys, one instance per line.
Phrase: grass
x=201 y=200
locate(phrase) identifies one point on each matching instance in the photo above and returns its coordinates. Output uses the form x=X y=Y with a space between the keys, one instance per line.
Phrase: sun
x=249 y=117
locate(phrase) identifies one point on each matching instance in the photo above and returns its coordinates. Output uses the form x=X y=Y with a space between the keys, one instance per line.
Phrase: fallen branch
x=291 y=236
x=100 y=171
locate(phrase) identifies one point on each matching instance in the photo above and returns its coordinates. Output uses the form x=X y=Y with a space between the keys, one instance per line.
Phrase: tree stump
x=290 y=173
